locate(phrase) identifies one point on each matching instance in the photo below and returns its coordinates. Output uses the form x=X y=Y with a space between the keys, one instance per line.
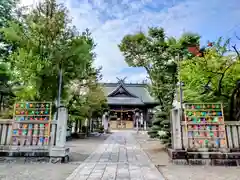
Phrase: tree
x=6 y=11
x=88 y=101
x=213 y=77
x=6 y=14
x=6 y=81
x=46 y=43
x=158 y=55
x=161 y=128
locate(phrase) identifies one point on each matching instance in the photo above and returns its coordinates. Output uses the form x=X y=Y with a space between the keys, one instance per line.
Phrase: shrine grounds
x=159 y=157
x=82 y=148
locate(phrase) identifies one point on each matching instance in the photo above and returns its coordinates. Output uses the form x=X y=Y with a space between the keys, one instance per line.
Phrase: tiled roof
x=124 y=101
x=138 y=90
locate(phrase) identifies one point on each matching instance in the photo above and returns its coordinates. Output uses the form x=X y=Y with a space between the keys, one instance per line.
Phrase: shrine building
x=123 y=100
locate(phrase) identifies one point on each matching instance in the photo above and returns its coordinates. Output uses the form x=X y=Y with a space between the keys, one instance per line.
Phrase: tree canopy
x=44 y=42
x=158 y=54
x=213 y=77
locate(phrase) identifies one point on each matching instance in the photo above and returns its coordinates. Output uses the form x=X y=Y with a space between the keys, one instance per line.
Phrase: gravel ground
x=183 y=172
x=80 y=150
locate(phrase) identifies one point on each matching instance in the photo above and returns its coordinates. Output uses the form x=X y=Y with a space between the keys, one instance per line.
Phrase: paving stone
x=120 y=157
x=83 y=177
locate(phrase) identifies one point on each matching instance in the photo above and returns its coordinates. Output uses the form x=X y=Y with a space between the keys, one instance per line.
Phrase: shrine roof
x=134 y=94
x=124 y=101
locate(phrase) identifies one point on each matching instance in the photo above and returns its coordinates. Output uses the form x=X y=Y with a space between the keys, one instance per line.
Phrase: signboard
x=31 y=125
x=205 y=126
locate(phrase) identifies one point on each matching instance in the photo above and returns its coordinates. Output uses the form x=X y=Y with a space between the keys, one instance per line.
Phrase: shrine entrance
x=121 y=119
x=124 y=100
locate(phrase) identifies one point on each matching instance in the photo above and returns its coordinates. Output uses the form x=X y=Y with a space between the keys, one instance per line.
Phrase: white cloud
x=111 y=20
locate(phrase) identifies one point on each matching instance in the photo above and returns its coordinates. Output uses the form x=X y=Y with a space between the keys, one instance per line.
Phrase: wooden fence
x=232 y=135
x=34 y=144
x=180 y=138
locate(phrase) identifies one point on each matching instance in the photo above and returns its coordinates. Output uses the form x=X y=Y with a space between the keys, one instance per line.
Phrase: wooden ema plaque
x=31 y=125
x=205 y=126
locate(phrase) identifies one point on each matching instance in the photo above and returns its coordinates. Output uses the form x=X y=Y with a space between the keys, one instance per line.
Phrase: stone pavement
x=119 y=158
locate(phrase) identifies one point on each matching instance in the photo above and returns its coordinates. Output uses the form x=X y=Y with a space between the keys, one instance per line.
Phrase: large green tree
x=6 y=81
x=6 y=15
x=160 y=56
x=46 y=43
x=213 y=77
x=87 y=101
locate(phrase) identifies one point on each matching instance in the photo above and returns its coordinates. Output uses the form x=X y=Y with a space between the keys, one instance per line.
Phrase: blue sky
x=110 y=20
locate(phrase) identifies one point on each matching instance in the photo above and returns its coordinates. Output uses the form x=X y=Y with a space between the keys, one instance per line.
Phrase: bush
x=84 y=129
x=101 y=129
x=161 y=128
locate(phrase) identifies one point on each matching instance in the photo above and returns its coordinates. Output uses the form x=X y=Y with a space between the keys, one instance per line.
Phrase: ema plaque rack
x=204 y=124
x=31 y=125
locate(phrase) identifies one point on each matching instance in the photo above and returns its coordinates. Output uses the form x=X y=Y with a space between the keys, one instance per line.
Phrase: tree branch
x=221 y=79
x=237 y=36
x=235 y=49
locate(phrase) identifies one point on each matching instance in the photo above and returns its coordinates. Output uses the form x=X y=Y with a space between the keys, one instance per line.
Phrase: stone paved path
x=119 y=158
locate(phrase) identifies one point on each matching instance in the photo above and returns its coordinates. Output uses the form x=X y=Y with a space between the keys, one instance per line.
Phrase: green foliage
x=84 y=129
x=213 y=77
x=161 y=127
x=101 y=129
x=216 y=69
x=159 y=55
x=46 y=42
x=87 y=101
x=7 y=88
x=188 y=39
x=6 y=10
x=6 y=14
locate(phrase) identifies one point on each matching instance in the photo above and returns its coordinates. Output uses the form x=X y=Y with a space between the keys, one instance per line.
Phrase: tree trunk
x=76 y=126
x=80 y=125
x=1 y=100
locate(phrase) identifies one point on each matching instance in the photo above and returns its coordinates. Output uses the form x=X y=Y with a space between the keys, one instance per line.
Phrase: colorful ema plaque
x=31 y=124
x=205 y=126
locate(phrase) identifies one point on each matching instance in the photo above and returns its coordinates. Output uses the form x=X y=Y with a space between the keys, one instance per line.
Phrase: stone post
x=73 y=127
x=176 y=129
x=60 y=150
x=105 y=121
x=137 y=116
x=61 y=127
